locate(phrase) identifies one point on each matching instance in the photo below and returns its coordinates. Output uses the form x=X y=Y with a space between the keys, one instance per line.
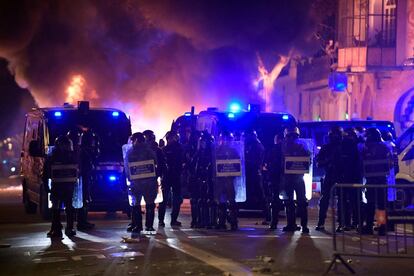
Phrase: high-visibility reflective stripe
x=109 y=168
x=141 y=169
x=64 y=173
x=228 y=167
x=297 y=164
x=376 y=167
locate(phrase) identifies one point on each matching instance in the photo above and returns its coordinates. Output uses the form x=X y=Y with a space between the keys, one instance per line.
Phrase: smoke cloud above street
x=152 y=59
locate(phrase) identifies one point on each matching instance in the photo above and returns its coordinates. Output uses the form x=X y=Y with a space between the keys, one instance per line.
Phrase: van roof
x=51 y=109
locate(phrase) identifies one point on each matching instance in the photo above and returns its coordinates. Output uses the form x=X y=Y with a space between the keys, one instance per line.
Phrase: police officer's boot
x=274 y=216
x=204 y=214
x=291 y=219
x=176 y=205
x=83 y=224
x=194 y=213
x=136 y=218
x=233 y=216
x=149 y=217
x=69 y=231
x=222 y=214
x=56 y=229
x=212 y=214
x=304 y=217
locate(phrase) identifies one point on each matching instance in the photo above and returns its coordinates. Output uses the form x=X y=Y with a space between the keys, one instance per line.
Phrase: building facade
x=376 y=53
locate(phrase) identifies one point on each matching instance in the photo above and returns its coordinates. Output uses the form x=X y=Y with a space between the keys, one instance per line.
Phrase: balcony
x=361 y=59
x=316 y=70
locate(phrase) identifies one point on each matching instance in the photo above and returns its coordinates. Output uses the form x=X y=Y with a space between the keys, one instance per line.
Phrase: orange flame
x=75 y=90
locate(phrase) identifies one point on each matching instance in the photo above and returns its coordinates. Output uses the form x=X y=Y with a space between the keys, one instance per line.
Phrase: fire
x=75 y=90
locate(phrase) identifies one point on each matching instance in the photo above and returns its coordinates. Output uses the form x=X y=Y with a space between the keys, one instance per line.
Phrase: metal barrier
x=371 y=221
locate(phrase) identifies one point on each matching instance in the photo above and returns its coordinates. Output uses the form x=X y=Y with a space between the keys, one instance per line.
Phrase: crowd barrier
x=392 y=231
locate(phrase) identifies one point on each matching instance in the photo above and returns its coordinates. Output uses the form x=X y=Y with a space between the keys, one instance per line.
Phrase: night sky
x=153 y=59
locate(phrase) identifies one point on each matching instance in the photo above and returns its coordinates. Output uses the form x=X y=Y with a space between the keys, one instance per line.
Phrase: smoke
x=152 y=59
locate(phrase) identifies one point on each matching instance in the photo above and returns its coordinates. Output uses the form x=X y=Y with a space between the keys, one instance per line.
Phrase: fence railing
x=371 y=221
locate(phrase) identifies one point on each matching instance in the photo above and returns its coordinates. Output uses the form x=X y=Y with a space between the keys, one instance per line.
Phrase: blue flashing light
x=115 y=114
x=285 y=117
x=338 y=81
x=388 y=125
x=4 y=161
x=58 y=114
x=235 y=107
x=230 y=115
x=112 y=178
x=187 y=114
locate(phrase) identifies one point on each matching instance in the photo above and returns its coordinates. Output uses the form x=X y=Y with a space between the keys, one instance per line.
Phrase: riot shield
x=302 y=165
x=140 y=170
x=308 y=177
x=77 y=199
x=229 y=169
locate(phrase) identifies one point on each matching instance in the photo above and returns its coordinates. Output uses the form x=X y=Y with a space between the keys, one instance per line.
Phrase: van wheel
x=29 y=206
x=44 y=204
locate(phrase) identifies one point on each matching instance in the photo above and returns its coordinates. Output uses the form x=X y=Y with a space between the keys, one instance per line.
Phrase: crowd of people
x=212 y=167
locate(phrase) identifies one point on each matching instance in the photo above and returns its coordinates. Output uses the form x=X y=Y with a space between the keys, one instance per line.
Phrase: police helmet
x=171 y=135
x=74 y=135
x=88 y=139
x=63 y=143
x=373 y=135
x=149 y=135
x=226 y=136
x=351 y=134
x=138 y=137
x=387 y=136
x=335 y=134
x=292 y=132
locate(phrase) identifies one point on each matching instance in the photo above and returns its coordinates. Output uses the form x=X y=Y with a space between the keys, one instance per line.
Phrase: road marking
x=49 y=260
x=80 y=257
x=126 y=254
x=202 y=237
x=263 y=236
x=223 y=264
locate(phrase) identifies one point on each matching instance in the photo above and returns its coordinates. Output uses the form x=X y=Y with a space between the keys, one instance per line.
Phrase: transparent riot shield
x=77 y=199
x=229 y=169
x=302 y=165
x=139 y=170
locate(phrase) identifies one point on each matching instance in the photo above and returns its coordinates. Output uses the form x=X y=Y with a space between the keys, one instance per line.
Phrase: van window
x=32 y=128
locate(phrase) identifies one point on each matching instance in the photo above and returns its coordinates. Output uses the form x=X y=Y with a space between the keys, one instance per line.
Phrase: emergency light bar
x=115 y=114
x=58 y=114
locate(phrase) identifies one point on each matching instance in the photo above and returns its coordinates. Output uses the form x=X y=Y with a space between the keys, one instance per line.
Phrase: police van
x=44 y=125
x=237 y=121
x=318 y=132
x=405 y=150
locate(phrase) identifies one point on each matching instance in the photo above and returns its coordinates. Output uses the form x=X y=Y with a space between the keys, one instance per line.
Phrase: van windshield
x=112 y=131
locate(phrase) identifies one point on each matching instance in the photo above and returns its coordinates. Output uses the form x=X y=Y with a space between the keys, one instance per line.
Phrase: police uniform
x=204 y=185
x=143 y=181
x=61 y=168
x=274 y=167
x=88 y=155
x=328 y=158
x=174 y=155
x=377 y=163
x=224 y=190
x=293 y=182
x=254 y=157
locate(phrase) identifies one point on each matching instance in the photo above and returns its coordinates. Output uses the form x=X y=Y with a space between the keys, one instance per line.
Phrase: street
x=110 y=250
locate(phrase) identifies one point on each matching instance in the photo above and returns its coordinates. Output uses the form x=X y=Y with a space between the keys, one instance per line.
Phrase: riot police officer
x=377 y=163
x=349 y=199
x=205 y=212
x=254 y=157
x=150 y=139
x=293 y=179
x=88 y=154
x=62 y=168
x=328 y=159
x=224 y=190
x=174 y=156
x=274 y=167
x=141 y=162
